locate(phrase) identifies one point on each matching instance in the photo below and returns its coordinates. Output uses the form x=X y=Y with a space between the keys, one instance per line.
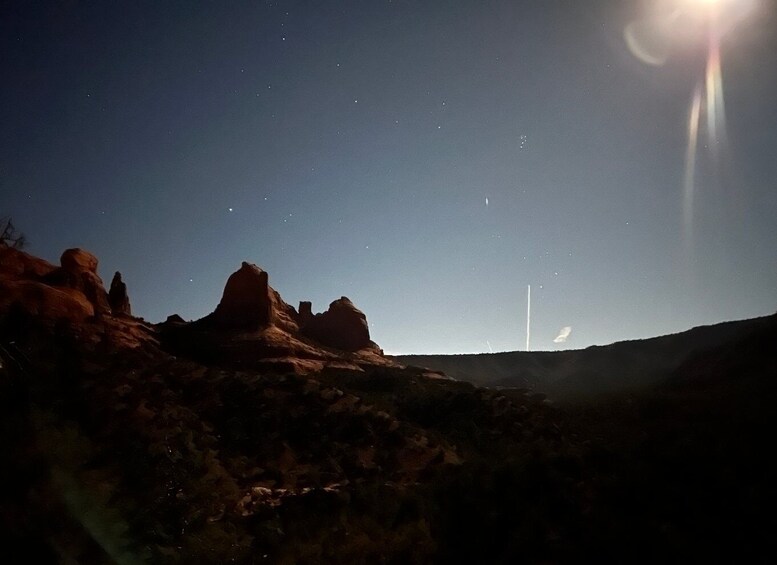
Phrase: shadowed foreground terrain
x=124 y=445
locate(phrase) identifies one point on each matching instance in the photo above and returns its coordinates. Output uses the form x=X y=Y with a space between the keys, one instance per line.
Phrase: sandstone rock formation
x=342 y=326
x=253 y=327
x=77 y=261
x=79 y=271
x=250 y=303
x=47 y=303
x=18 y=264
x=305 y=312
x=118 y=298
x=33 y=287
x=245 y=303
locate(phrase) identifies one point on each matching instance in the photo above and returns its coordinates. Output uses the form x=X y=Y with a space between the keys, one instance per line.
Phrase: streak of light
x=689 y=178
x=710 y=90
x=528 y=316
x=716 y=110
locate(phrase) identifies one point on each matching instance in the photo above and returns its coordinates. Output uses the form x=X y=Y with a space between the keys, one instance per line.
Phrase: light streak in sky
x=652 y=39
x=710 y=91
x=528 y=316
x=689 y=178
x=716 y=109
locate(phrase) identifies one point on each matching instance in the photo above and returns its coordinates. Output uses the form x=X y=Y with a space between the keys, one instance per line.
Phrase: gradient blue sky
x=349 y=147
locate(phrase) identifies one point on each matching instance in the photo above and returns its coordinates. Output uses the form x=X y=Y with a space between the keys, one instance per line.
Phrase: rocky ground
x=144 y=457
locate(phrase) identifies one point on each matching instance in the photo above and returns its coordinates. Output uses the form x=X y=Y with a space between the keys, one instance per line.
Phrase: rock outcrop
x=18 y=264
x=78 y=261
x=118 y=298
x=342 y=326
x=246 y=302
x=78 y=271
x=253 y=327
x=174 y=319
x=305 y=312
x=250 y=303
x=72 y=292
x=31 y=286
x=41 y=301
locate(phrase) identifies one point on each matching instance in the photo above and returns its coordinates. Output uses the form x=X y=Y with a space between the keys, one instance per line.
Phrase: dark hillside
x=621 y=366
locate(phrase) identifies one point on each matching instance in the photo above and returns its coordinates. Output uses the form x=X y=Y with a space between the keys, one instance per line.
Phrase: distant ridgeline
x=621 y=366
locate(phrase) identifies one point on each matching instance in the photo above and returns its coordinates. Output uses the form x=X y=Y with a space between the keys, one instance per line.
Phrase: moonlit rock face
x=34 y=287
x=78 y=260
x=79 y=272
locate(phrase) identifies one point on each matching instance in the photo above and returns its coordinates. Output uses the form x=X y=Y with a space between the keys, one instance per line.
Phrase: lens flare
x=679 y=24
x=710 y=91
x=647 y=40
x=689 y=178
x=716 y=110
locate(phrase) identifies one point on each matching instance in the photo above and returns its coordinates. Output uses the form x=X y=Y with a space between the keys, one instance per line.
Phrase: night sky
x=429 y=160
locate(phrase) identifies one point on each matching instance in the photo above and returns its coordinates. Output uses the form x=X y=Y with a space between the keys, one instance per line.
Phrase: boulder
x=78 y=271
x=118 y=298
x=342 y=326
x=78 y=260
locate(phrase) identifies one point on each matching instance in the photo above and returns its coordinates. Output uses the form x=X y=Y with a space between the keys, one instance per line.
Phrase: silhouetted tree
x=9 y=236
